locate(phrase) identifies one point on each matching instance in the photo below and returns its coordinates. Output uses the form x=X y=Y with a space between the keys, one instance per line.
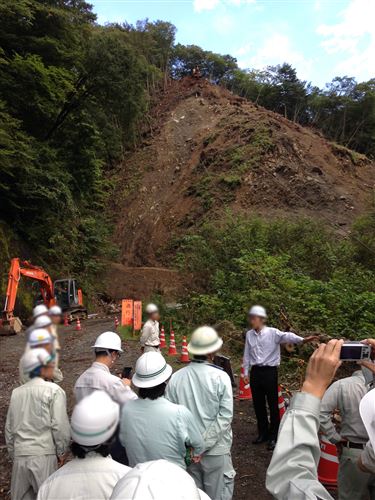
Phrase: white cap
x=39 y=336
x=34 y=358
x=94 y=419
x=39 y=310
x=258 y=311
x=157 y=480
x=151 y=370
x=55 y=311
x=42 y=321
x=204 y=340
x=108 y=340
x=367 y=411
x=151 y=308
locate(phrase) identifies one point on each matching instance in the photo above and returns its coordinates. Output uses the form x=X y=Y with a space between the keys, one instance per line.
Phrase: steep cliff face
x=208 y=151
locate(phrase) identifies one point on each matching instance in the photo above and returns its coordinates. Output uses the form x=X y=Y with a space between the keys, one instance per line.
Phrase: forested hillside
x=79 y=105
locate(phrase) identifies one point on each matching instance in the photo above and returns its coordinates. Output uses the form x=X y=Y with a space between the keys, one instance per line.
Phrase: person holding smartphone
x=262 y=354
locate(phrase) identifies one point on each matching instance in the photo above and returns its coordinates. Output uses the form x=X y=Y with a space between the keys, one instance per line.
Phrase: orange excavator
x=63 y=292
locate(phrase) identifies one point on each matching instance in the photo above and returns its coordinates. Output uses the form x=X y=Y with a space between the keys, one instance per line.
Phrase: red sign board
x=127 y=312
x=137 y=315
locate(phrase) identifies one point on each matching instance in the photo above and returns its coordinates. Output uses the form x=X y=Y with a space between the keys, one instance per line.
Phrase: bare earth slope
x=209 y=150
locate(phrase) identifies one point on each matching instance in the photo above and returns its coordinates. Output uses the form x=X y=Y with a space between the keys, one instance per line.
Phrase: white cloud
x=277 y=49
x=200 y=5
x=353 y=37
x=224 y=24
x=244 y=50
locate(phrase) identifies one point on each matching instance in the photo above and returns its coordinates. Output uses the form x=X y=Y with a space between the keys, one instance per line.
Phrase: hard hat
x=94 y=419
x=204 y=340
x=39 y=336
x=108 y=340
x=35 y=358
x=42 y=321
x=151 y=308
x=39 y=310
x=258 y=311
x=55 y=311
x=157 y=480
x=151 y=370
x=367 y=412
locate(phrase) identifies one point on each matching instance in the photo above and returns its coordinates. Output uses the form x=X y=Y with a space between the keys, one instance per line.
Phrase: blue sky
x=321 y=38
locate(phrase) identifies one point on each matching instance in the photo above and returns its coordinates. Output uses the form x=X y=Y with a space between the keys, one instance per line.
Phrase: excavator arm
x=20 y=268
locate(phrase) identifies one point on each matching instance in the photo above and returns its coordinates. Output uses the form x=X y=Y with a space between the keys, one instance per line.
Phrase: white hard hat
x=42 y=321
x=151 y=370
x=258 y=311
x=157 y=480
x=108 y=340
x=34 y=358
x=39 y=310
x=151 y=308
x=39 y=336
x=204 y=340
x=94 y=419
x=367 y=411
x=55 y=311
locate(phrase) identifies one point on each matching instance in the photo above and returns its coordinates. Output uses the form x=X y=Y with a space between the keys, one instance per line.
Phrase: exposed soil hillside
x=208 y=150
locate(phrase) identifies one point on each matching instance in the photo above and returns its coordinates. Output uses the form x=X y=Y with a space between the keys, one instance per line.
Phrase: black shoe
x=271 y=445
x=260 y=439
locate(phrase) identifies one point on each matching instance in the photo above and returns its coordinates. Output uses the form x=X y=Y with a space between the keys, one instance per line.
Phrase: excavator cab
x=69 y=297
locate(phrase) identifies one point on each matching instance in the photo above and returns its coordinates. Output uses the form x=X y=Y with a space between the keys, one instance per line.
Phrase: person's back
x=92 y=477
x=31 y=435
x=156 y=429
x=203 y=388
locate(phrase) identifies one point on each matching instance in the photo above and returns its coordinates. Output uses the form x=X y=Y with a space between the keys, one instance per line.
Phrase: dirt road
x=250 y=461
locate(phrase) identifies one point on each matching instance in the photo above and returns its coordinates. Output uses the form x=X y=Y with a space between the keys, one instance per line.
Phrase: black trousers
x=264 y=386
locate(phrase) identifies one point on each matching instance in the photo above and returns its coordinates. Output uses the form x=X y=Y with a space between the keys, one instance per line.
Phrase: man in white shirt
x=150 y=340
x=92 y=474
x=262 y=354
x=108 y=350
x=37 y=430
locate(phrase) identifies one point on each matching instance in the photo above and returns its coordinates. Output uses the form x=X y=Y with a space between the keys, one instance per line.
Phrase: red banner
x=127 y=312
x=137 y=315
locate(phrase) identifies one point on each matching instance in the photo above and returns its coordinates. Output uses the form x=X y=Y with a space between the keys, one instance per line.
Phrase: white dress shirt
x=263 y=348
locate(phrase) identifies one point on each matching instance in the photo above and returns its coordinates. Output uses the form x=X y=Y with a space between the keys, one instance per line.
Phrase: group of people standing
x=164 y=435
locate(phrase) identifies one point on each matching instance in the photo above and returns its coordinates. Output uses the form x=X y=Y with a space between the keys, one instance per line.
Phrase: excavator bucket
x=10 y=327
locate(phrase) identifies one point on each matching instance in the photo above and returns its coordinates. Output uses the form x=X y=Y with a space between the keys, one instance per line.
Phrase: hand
x=246 y=380
x=311 y=338
x=370 y=342
x=126 y=382
x=322 y=368
x=62 y=459
x=196 y=459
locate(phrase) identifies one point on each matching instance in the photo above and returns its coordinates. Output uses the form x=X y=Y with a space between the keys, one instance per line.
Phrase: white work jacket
x=37 y=422
x=206 y=391
x=98 y=377
x=89 y=478
x=150 y=334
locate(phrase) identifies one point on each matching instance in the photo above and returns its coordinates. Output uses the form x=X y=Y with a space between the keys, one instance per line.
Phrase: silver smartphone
x=355 y=351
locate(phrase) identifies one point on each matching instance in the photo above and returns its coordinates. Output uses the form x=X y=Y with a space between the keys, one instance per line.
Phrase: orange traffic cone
x=163 y=344
x=66 y=321
x=281 y=401
x=172 y=345
x=78 y=327
x=244 y=391
x=328 y=464
x=184 y=352
x=116 y=322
